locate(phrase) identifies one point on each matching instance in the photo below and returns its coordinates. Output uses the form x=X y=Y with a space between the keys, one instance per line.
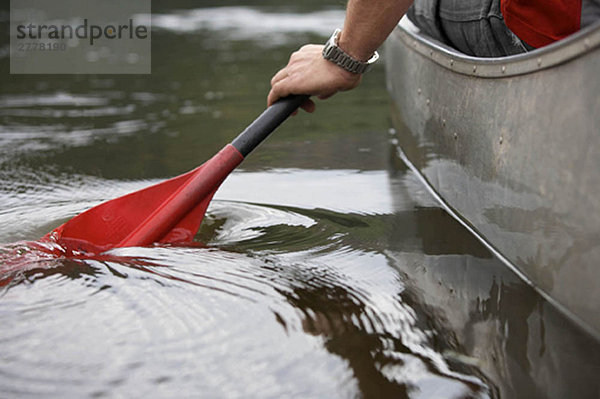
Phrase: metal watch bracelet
x=333 y=53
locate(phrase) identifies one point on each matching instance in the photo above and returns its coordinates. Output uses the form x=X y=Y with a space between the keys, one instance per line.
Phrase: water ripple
x=243 y=23
x=303 y=297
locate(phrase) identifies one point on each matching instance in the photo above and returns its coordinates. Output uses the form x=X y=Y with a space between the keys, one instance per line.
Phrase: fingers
x=309 y=106
x=271 y=98
x=282 y=74
x=308 y=73
x=278 y=90
x=275 y=94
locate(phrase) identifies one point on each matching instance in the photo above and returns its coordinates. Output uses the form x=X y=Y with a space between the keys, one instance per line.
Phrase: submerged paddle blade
x=187 y=228
x=171 y=211
x=106 y=225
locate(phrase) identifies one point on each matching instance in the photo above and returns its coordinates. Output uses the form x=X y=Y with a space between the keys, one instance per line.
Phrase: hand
x=308 y=72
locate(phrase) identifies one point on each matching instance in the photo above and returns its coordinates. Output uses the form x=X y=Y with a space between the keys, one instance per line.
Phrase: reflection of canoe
x=513 y=146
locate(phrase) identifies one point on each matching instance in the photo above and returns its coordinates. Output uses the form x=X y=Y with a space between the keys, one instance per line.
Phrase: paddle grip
x=268 y=121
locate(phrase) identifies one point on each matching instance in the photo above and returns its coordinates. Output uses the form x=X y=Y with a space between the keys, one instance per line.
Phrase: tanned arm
x=368 y=23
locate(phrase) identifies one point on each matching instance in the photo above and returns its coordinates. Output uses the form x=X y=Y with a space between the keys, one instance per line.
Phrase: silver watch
x=333 y=53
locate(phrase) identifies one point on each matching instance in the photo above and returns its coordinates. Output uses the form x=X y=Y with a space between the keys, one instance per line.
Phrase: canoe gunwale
x=571 y=47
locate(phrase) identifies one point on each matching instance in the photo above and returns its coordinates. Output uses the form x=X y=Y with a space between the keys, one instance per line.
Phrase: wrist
x=343 y=74
x=348 y=46
x=334 y=53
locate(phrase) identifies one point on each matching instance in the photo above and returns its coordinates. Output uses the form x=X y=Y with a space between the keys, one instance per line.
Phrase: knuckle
x=277 y=88
x=312 y=47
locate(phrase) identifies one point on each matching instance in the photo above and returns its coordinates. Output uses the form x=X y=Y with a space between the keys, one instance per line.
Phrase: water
x=323 y=268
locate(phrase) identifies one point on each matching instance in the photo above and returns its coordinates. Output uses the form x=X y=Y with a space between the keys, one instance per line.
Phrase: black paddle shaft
x=268 y=121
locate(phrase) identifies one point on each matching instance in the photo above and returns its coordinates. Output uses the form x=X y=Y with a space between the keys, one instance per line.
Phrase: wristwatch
x=333 y=53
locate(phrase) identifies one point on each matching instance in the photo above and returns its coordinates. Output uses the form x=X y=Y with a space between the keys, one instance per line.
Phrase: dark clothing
x=474 y=27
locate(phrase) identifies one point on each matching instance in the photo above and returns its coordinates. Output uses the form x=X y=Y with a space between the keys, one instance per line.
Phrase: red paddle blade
x=168 y=212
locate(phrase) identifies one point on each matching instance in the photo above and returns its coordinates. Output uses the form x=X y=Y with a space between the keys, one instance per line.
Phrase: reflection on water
x=287 y=293
x=323 y=268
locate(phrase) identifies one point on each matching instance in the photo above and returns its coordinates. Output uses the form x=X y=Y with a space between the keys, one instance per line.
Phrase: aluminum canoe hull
x=512 y=146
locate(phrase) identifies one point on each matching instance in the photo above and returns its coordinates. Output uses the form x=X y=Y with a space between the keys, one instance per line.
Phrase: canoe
x=511 y=147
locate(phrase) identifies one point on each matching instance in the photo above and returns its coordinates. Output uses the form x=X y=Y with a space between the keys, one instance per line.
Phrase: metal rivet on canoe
x=443 y=122
x=451 y=62
x=431 y=53
x=539 y=61
x=455 y=136
x=474 y=68
x=428 y=101
x=501 y=140
x=419 y=91
x=503 y=69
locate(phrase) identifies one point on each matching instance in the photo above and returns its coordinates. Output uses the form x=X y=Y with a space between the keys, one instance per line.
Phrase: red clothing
x=541 y=22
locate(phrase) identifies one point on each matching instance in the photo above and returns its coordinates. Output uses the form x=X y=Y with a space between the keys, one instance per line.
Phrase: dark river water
x=323 y=269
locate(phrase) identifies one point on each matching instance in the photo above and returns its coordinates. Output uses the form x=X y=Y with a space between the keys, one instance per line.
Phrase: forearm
x=368 y=23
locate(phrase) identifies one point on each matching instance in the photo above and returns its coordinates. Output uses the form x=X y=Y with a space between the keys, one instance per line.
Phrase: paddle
x=171 y=211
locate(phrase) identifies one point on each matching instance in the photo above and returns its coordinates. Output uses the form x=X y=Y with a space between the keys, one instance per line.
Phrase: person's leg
x=474 y=27
x=425 y=15
x=590 y=12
